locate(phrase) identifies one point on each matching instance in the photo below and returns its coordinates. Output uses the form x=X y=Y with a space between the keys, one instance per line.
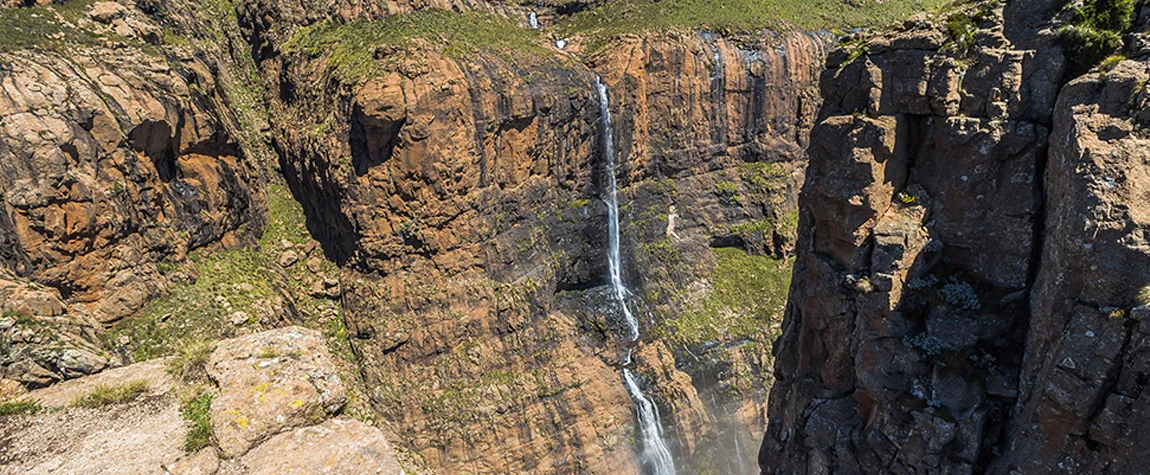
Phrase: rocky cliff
x=459 y=184
x=971 y=252
x=425 y=183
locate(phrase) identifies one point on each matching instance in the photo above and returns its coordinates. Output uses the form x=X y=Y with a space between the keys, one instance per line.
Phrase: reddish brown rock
x=904 y=334
x=113 y=160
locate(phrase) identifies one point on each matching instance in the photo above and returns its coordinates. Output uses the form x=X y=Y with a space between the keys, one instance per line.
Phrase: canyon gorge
x=574 y=236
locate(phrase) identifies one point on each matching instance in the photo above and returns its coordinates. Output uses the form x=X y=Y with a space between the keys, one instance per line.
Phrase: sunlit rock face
x=971 y=247
x=462 y=194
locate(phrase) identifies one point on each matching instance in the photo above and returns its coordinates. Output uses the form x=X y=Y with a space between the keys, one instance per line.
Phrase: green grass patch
x=197 y=410
x=353 y=45
x=747 y=297
x=1110 y=62
x=20 y=407
x=285 y=219
x=228 y=282
x=190 y=361
x=105 y=395
x=737 y=16
x=960 y=29
x=1095 y=32
x=238 y=280
x=57 y=27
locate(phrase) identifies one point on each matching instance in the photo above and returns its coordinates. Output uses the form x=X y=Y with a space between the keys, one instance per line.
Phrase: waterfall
x=614 y=263
x=656 y=455
x=533 y=20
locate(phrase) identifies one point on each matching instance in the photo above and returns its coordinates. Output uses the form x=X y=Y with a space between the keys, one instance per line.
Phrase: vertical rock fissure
x=656 y=455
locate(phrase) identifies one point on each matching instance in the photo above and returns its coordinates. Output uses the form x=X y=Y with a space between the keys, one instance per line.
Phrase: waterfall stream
x=656 y=455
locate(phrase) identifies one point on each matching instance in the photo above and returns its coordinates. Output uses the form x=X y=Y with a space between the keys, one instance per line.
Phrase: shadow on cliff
x=312 y=185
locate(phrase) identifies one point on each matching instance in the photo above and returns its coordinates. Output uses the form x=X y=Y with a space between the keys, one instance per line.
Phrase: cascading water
x=533 y=20
x=656 y=455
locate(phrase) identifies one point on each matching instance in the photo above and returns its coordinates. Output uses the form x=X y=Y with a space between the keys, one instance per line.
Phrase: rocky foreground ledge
x=264 y=403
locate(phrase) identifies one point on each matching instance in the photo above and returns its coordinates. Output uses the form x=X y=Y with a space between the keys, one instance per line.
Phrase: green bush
x=1111 y=62
x=190 y=360
x=1095 y=32
x=960 y=29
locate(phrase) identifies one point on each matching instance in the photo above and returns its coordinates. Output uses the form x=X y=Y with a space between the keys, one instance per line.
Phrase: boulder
x=271 y=382
x=334 y=447
x=107 y=12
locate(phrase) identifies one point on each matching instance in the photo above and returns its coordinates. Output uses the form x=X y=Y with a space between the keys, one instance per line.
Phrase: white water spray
x=655 y=452
x=533 y=20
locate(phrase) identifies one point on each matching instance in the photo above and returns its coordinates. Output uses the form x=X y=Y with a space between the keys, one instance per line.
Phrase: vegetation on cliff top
x=360 y=48
x=58 y=27
x=1095 y=31
x=736 y=16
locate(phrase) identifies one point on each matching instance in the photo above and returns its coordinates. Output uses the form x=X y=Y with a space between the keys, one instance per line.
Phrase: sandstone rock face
x=462 y=195
x=336 y=446
x=689 y=103
x=271 y=382
x=113 y=160
x=972 y=244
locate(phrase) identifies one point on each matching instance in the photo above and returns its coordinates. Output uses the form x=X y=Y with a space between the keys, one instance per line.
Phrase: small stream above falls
x=656 y=455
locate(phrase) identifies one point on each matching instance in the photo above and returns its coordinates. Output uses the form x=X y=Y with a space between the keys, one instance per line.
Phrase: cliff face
x=424 y=182
x=712 y=149
x=971 y=245
x=113 y=161
x=1085 y=368
x=461 y=192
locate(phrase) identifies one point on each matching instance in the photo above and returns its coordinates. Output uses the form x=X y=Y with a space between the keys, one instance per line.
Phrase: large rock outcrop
x=113 y=157
x=461 y=193
x=266 y=380
x=972 y=244
x=1086 y=366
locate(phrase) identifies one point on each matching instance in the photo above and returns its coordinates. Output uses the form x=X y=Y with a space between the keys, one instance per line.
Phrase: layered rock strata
x=971 y=250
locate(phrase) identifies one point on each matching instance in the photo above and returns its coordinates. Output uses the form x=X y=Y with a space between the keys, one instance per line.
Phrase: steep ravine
x=423 y=184
x=461 y=192
x=973 y=263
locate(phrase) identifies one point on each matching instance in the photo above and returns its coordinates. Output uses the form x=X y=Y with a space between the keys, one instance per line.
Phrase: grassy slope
x=58 y=27
x=353 y=45
x=239 y=280
x=747 y=297
x=732 y=16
